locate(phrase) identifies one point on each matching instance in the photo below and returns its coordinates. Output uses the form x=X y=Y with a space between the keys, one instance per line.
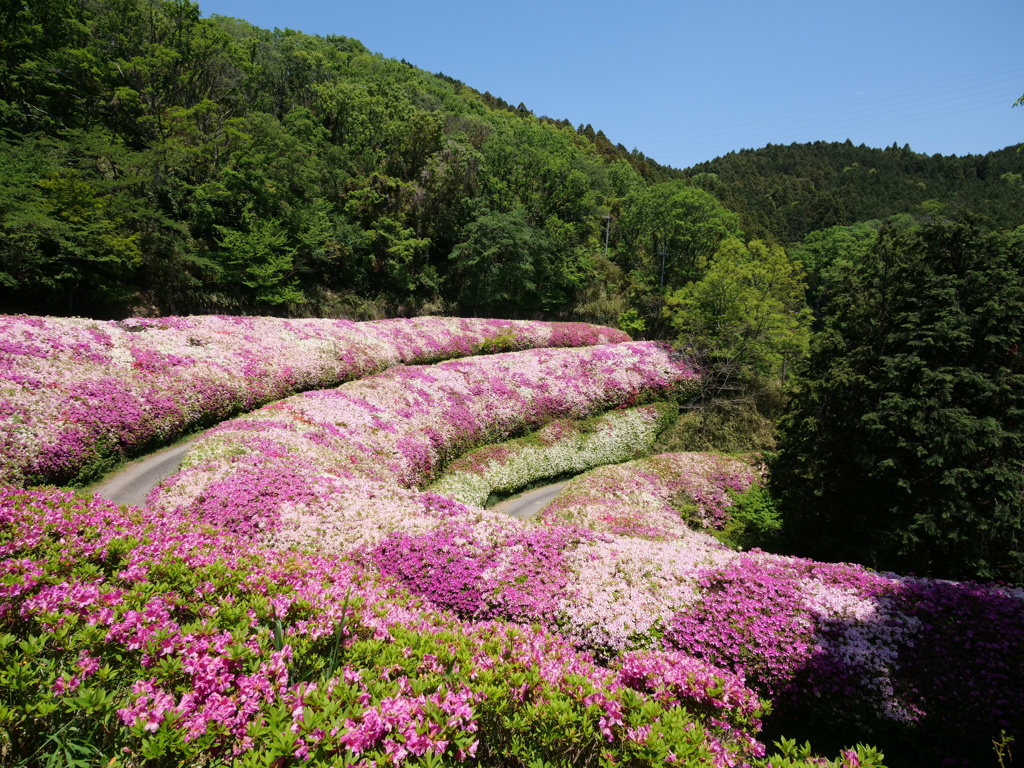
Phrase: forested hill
x=786 y=192
x=154 y=160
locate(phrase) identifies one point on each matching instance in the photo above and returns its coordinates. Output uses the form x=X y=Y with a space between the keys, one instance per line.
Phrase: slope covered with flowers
x=333 y=467
x=76 y=394
x=935 y=667
x=142 y=636
x=560 y=448
x=293 y=597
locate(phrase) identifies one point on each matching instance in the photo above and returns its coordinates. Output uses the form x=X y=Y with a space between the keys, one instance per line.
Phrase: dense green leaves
x=904 y=448
x=785 y=192
x=746 y=315
x=498 y=264
x=65 y=233
x=155 y=160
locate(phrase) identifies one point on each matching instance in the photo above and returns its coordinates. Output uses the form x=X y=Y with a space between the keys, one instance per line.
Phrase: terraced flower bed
x=293 y=597
x=295 y=471
x=560 y=448
x=612 y=566
x=77 y=395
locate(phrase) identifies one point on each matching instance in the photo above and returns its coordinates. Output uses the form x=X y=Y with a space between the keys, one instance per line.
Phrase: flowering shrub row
x=560 y=448
x=335 y=469
x=76 y=395
x=610 y=582
x=932 y=664
x=175 y=635
x=643 y=498
x=136 y=636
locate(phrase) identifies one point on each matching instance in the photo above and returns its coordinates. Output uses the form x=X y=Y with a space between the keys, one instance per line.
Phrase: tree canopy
x=156 y=161
x=904 y=446
x=746 y=315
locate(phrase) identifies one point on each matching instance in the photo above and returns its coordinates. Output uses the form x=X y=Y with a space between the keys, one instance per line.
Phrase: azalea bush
x=77 y=395
x=336 y=469
x=142 y=637
x=293 y=595
x=666 y=496
x=839 y=649
x=560 y=448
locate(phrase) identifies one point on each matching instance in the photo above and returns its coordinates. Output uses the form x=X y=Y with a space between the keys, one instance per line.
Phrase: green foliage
x=1002 y=749
x=726 y=425
x=496 y=267
x=631 y=323
x=754 y=521
x=904 y=445
x=62 y=232
x=258 y=257
x=783 y=193
x=824 y=254
x=684 y=224
x=745 y=316
x=154 y=159
x=791 y=755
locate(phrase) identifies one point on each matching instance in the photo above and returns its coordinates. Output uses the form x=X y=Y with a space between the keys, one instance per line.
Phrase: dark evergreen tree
x=904 y=446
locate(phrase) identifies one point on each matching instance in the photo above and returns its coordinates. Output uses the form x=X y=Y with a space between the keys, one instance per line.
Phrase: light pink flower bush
x=642 y=498
x=297 y=468
x=560 y=448
x=77 y=394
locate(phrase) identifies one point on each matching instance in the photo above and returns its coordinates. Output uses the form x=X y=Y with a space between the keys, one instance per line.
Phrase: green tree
x=827 y=252
x=259 y=258
x=64 y=242
x=675 y=223
x=746 y=316
x=496 y=267
x=904 y=446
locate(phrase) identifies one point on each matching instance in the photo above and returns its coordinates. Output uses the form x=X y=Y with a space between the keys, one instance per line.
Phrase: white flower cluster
x=560 y=448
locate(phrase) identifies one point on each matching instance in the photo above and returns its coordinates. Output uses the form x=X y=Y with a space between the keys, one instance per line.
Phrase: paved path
x=530 y=503
x=132 y=484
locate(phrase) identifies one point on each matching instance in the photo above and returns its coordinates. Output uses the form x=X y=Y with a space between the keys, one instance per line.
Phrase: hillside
x=787 y=192
x=154 y=162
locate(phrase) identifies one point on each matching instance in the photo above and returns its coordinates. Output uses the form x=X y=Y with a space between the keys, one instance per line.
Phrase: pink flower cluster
x=219 y=648
x=829 y=641
x=721 y=696
x=76 y=393
x=642 y=498
x=295 y=471
x=520 y=576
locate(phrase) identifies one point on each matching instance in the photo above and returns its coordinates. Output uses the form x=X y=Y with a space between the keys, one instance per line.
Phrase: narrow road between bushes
x=132 y=484
x=530 y=503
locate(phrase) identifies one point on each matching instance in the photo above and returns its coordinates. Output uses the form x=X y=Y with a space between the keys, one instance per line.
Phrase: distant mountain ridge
x=785 y=192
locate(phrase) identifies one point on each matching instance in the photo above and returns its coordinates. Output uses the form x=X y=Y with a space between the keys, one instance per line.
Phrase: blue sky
x=685 y=82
